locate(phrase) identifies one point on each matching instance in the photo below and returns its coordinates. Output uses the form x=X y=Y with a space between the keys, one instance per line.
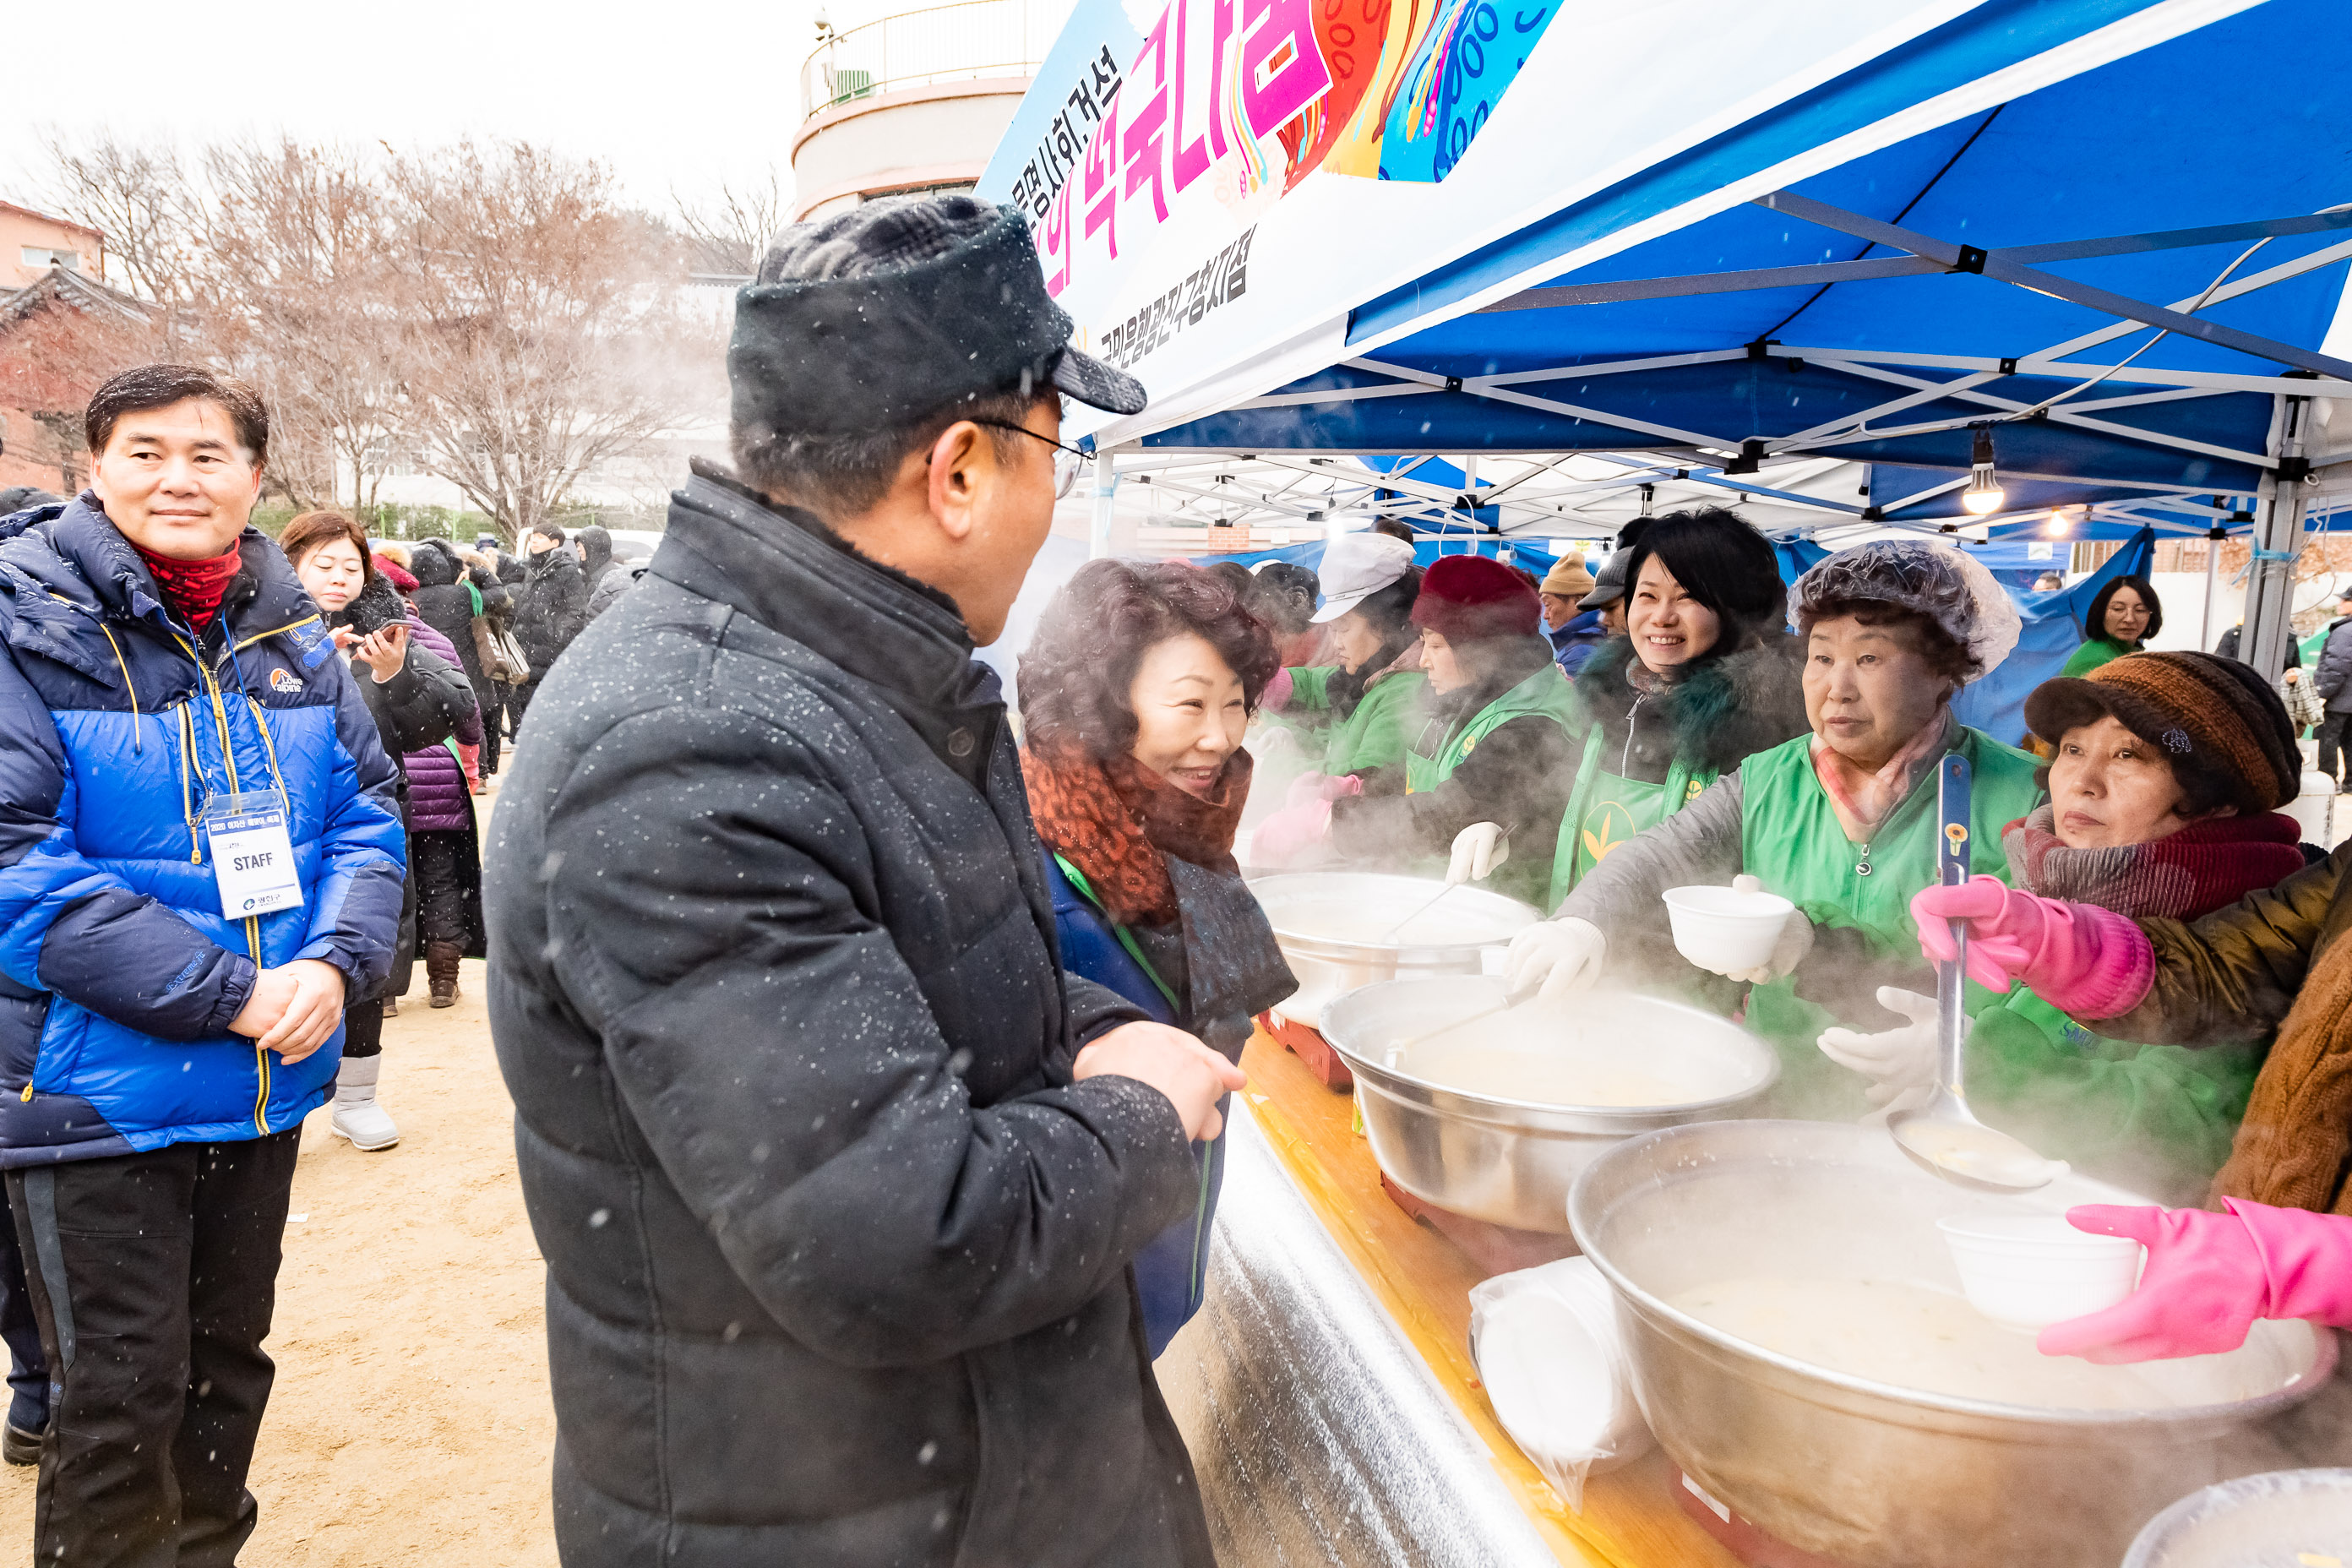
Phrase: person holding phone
x=418 y=699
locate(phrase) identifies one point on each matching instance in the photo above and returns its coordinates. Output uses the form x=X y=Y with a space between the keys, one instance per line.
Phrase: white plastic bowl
x=1727 y=929
x=2027 y=1271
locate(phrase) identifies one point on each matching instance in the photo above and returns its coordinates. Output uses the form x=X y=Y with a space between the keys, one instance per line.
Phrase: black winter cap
x=901 y=309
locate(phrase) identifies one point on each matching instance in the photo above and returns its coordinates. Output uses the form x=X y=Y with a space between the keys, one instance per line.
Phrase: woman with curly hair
x=1134 y=697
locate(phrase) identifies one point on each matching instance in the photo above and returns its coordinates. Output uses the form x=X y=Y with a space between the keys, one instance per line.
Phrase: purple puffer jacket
x=438 y=797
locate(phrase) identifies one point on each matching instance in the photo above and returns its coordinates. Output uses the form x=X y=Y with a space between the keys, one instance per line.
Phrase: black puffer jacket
x=1518 y=777
x=837 y=1254
x=421 y=706
x=444 y=605
x=1726 y=710
x=554 y=607
x=2332 y=678
x=596 y=553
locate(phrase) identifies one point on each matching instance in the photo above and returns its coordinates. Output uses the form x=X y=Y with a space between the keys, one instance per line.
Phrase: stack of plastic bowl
x=2028 y=1271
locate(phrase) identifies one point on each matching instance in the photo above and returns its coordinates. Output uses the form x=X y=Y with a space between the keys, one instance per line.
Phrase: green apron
x=1604 y=810
x=1793 y=840
x=1546 y=694
x=2157 y=1119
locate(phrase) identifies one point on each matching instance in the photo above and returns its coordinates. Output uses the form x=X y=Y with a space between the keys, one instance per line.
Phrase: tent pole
x=2212 y=584
x=2270 y=579
x=1106 y=487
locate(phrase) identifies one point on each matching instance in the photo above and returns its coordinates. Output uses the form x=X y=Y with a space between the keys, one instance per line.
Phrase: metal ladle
x=1943 y=1136
x=1391 y=1053
x=1390 y=936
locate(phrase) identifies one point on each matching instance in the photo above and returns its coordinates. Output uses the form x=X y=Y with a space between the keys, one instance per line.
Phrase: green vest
x=1546 y=694
x=1790 y=837
x=1604 y=810
x=2157 y=1119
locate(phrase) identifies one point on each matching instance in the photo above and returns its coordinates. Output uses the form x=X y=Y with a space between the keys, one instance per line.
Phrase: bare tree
x=138 y=195
x=544 y=327
x=298 y=282
x=732 y=230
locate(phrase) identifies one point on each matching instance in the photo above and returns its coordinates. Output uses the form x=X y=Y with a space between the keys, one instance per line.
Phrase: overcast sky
x=683 y=95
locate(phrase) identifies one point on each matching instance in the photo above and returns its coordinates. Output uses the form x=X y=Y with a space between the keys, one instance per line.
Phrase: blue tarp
x=2054 y=630
x=2139 y=145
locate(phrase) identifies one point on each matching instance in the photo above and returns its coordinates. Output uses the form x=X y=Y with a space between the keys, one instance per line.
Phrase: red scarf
x=192 y=589
x=2181 y=876
x=1117 y=822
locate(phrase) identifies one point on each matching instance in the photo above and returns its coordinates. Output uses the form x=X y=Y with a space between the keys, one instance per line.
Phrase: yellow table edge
x=1448 y=1361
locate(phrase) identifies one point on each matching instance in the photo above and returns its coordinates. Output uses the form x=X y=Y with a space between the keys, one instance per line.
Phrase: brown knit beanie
x=2204 y=714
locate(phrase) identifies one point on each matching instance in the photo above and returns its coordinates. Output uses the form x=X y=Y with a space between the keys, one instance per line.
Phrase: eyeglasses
x=1067 y=460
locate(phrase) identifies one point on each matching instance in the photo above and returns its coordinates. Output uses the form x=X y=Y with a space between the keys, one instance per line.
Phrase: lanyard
x=1078 y=880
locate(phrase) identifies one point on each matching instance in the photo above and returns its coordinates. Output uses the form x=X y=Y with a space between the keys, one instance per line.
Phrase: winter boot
x=392 y=1007
x=441 y=971
x=357 y=1115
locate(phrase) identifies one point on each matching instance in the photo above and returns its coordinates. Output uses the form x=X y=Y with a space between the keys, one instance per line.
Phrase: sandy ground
x=410 y=1423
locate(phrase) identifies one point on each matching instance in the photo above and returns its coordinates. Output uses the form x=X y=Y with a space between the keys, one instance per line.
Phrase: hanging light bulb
x=1984 y=492
x=2061 y=525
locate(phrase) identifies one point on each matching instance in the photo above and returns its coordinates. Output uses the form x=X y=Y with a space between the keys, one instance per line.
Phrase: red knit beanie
x=1466 y=597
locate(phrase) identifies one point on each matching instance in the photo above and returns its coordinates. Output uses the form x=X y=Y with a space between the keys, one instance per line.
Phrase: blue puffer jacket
x=118 y=973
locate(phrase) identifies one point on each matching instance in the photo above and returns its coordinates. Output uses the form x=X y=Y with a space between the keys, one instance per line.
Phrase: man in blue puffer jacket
x=167 y=690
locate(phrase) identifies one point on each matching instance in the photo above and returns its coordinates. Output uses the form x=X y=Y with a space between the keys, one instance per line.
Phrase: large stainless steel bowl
x=1859 y=1471
x=1334 y=926
x=1511 y=1161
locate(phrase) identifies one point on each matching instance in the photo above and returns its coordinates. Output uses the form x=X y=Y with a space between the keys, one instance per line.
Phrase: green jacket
x=1373 y=735
x=2093 y=655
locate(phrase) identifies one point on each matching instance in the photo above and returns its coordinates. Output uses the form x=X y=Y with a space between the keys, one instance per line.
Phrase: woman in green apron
x=1361 y=704
x=1490 y=743
x=2146 y=829
x=1706 y=676
x=1842 y=821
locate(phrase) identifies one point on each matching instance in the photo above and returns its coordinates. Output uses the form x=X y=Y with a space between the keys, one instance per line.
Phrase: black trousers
x=153 y=1278
x=436 y=867
x=363 y=1028
x=490 y=697
x=2335 y=734
x=518 y=699
x=28 y=1369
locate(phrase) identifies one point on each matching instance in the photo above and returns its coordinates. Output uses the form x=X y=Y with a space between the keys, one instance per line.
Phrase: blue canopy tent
x=2121 y=280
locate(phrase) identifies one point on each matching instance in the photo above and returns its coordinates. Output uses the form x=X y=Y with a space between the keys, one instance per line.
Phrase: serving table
x=1327 y=1390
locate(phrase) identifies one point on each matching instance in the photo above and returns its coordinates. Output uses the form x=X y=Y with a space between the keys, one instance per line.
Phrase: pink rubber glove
x=2079 y=958
x=1342 y=788
x=1282 y=836
x=2209 y=1278
x=1306 y=787
x=1276 y=695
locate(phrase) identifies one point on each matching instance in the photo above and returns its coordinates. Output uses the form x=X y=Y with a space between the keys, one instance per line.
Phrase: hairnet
x=1953 y=590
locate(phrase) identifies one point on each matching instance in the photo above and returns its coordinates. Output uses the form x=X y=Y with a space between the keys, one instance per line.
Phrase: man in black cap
x=836 y=1174
x=1608 y=593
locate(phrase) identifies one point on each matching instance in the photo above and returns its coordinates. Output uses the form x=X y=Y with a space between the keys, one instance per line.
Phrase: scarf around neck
x=2183 y=876
x=193 y=590
x=1118 y=822
x=1862 y=806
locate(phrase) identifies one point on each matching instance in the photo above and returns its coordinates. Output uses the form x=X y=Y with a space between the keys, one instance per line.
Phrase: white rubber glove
x=1555 y=959
x=1796 y=941
x=1896 y=1061
x=1477 y=850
